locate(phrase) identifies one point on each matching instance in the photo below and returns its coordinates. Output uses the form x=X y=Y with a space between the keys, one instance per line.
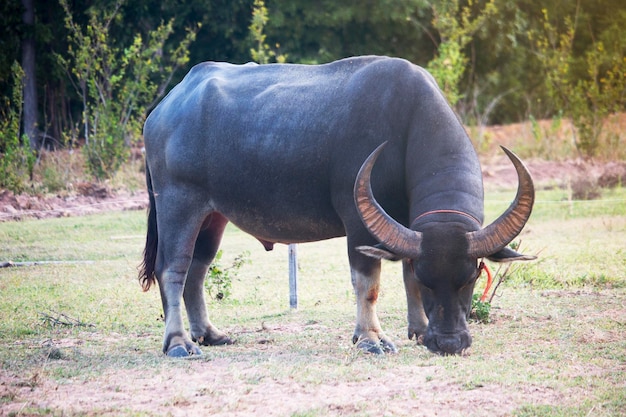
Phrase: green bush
x=219 y=280
x=117 y=85
x=456 y=24
x=585 y=88
x=16 y=158
x=480 y=309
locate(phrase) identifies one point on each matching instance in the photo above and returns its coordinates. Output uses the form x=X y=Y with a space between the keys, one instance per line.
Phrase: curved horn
x=397 y=238
x=501 y=232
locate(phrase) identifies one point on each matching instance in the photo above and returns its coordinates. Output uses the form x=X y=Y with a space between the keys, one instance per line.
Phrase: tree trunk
x=30 y=81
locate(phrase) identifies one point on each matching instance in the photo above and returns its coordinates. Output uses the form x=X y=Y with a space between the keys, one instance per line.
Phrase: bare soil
x=498 y=173
x=94 y=200
x=215 y=388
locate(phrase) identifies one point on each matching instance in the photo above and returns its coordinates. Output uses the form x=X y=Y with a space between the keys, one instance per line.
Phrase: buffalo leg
x=207 y=244
x=368 y=334
x=178 y=230
x=418 y=322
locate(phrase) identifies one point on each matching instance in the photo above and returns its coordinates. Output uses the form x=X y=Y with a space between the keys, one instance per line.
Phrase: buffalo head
x=442 y=249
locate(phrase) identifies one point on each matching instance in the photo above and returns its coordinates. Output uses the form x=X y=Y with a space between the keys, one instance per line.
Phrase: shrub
x=218 y=282
x=117 y=85
x=586 y=88
x=16 y=158
x=480 y=309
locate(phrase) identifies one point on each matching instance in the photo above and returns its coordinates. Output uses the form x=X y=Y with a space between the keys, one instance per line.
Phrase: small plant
x=480 y=309
x=481 y=305
x=218 y=282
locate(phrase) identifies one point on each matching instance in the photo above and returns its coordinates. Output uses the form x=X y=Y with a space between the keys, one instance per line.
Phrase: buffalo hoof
x=417 y=334
x=183 y=352
x=224 y=340
x=377 y=348
x=213 y=338
x=218 y=341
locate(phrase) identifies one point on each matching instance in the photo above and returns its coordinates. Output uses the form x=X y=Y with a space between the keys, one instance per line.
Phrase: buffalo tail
x=147 y=275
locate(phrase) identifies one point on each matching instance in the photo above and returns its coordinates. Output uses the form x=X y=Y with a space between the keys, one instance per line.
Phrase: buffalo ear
x=378 y=252
x=509 y=255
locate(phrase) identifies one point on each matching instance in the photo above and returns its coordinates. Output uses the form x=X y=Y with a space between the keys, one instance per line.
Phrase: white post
x=293 y=277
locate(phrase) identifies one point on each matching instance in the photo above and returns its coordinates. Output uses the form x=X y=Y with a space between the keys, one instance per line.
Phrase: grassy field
x=80 y=338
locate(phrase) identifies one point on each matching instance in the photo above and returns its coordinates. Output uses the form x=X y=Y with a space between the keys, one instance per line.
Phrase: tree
x=30 y=79
x=117 y=85
x=588 y=86
x=456 y=25
x=16 y=158
x=326 y=30
x=262 y=53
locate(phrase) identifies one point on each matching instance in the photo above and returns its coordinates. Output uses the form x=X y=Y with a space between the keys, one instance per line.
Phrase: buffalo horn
x=393 y=235
x=502 y=231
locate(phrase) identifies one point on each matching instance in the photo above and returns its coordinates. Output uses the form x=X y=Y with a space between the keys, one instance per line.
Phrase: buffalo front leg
x=418 y=322
x=368 y=334
x=207 y=244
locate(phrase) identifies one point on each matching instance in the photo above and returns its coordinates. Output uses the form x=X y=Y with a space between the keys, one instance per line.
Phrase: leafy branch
x=117 y=85
x=456 y=25
x=589 y=99
x=262 y=53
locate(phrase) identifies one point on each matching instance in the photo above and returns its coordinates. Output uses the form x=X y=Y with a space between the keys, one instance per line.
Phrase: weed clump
x=585 y=188
x=219 y=280
x=480 y=310
x=614 y=175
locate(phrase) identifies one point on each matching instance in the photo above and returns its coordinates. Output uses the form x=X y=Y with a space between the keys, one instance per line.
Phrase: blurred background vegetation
x=77 y=73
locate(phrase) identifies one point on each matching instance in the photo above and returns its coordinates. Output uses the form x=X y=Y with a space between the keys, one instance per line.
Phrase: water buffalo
x=296 y=153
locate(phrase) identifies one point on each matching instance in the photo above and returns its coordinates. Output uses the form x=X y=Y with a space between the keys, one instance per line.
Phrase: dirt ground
x=215 y=389
x=498 y=173
x=94 y=200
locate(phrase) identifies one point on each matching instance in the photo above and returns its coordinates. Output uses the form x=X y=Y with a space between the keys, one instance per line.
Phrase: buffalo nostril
x=452 y=344
x=449 y=344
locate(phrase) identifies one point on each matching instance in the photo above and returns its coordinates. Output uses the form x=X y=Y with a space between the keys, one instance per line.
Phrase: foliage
x=456 y=25
x=16 y=158
x=480 y=309
x=479 y=50
x=117 y=86
x=586 y=99
x=262 y=54
x=219 y=280
x=322 y=31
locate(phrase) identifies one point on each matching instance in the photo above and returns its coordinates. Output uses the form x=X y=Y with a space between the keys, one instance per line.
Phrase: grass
x=579 y=243
x=555 y=346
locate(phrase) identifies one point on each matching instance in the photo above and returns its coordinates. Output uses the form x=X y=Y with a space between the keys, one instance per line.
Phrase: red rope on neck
x=483 y=267
x=447 y=211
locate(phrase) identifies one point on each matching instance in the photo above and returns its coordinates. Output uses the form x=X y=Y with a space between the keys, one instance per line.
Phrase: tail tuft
x=147 y=276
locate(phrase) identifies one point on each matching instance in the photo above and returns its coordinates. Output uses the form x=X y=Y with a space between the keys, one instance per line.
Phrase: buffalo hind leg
x=184 y=233
x=368 y=334
x=178 y=230
x=418 y=322
x=207 y=244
